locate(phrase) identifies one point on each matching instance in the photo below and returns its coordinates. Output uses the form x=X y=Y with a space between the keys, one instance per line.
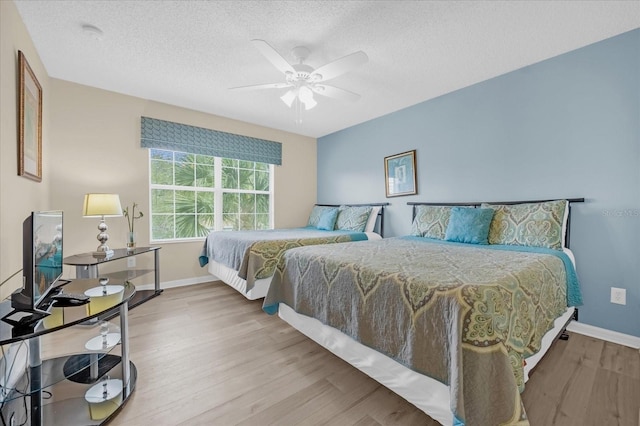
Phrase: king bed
x=452 y=317
x=246 y=260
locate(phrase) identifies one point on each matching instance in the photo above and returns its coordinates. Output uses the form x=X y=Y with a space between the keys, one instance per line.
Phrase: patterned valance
x=171 y=136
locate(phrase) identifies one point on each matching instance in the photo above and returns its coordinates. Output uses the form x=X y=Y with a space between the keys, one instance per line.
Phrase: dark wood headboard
x=379 y=221
x=479 y=203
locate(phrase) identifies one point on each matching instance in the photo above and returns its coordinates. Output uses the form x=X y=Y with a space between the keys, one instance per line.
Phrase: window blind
x=171 y=136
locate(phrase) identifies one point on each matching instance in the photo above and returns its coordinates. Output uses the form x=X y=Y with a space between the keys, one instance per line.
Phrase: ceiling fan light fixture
x=303 y=80
x=289 y=97
x=306 y=97
x=315 y=77
x=310 y=103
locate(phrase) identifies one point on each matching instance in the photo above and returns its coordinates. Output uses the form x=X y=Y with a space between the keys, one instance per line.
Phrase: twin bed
x=453 y=317
x=246 y=260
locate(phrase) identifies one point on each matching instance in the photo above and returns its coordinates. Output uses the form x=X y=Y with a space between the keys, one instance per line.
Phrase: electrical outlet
x=131 y=262
x=618 y=295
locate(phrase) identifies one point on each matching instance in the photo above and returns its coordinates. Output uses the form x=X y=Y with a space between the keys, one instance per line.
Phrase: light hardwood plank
x=610 y=402
x=207 y=356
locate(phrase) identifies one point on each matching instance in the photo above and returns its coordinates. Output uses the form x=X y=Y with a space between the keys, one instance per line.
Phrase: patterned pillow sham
x=431 y=221
x=529 y=224
x=353 y=218
x=316 y=213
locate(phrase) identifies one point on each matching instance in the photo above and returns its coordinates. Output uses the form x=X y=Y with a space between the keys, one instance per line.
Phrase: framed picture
x=400 y=174
x=30 y=122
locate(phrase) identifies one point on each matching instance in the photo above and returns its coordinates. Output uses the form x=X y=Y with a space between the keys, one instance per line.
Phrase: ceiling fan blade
x=273 y=56
x=339 y=66
x=262 y=86
x=335 y=92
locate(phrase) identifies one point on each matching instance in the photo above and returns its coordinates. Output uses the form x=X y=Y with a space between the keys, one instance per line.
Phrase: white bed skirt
x=230 y=277
x=427 y=394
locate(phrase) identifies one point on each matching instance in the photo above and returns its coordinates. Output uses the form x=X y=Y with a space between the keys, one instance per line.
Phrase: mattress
x=465 y=315
x=250 y=276
x=427 y=394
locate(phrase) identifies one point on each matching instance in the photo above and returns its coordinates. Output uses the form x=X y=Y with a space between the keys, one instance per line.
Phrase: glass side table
x=61 y=366
x=87 y=267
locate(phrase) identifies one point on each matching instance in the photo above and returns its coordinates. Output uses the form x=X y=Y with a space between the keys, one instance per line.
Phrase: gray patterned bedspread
x=255 y=253
x=463 y=314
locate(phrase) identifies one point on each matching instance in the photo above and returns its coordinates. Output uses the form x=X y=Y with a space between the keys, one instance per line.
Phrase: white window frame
x=217 y=195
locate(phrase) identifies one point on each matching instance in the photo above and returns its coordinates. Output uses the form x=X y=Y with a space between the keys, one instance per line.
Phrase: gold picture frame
x=400 y=174
x=30 y=122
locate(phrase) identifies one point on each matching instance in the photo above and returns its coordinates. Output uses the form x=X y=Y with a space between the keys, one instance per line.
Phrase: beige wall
x=96 y=135
x=18 y=195
x=91 y=143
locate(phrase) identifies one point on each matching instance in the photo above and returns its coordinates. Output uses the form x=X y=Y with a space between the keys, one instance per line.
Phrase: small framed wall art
x=30 y=122
x=400 y=174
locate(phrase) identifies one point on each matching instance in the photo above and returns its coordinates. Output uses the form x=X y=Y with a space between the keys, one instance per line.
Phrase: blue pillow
x=469 y=225
x=316 y=212
x=328 y=219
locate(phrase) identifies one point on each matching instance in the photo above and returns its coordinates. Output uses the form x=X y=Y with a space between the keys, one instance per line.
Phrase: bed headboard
x=479 y=203
x=379 y=221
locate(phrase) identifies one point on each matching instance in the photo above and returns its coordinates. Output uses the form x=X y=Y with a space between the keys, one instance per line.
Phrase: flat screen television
x=42 y=257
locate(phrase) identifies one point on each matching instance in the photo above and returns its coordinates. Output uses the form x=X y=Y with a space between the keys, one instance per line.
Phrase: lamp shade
x=98 y=205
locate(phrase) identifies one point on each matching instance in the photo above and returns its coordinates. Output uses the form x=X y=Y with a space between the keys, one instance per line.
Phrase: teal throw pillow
x=316 y=212
x=469 y=225
x=328 y=219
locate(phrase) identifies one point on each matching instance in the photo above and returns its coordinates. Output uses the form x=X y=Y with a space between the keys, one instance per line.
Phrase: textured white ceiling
x=189 y=53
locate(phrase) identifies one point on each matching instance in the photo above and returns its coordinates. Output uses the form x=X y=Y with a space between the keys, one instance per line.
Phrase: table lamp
x=102 y=205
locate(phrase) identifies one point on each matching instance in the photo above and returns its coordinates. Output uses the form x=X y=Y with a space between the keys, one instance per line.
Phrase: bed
x=246 y=260
x=453 y=317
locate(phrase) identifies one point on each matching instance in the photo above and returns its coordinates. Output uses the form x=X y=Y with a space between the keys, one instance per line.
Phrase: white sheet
x=427 y=394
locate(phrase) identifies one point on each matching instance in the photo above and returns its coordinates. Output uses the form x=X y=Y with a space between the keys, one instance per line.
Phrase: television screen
x=42 y=259
x=47 y=253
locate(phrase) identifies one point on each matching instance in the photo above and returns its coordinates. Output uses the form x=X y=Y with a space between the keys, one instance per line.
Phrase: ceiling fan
x=303 y=80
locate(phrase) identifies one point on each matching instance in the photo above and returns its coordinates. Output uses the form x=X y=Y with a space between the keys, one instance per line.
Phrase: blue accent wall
x=562 y=128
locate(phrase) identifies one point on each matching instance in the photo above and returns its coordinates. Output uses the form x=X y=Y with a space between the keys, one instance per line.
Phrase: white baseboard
x=604 y=334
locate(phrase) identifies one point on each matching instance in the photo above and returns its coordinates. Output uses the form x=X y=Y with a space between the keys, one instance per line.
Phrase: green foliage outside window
x=183 y=194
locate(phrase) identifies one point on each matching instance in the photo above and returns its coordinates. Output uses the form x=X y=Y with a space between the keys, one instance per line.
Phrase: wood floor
x=207 y=356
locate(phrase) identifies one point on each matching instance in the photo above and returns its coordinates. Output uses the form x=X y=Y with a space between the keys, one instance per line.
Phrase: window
x=192 y=194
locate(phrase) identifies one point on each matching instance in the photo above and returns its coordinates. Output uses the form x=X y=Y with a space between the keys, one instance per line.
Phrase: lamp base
x=103 y=254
